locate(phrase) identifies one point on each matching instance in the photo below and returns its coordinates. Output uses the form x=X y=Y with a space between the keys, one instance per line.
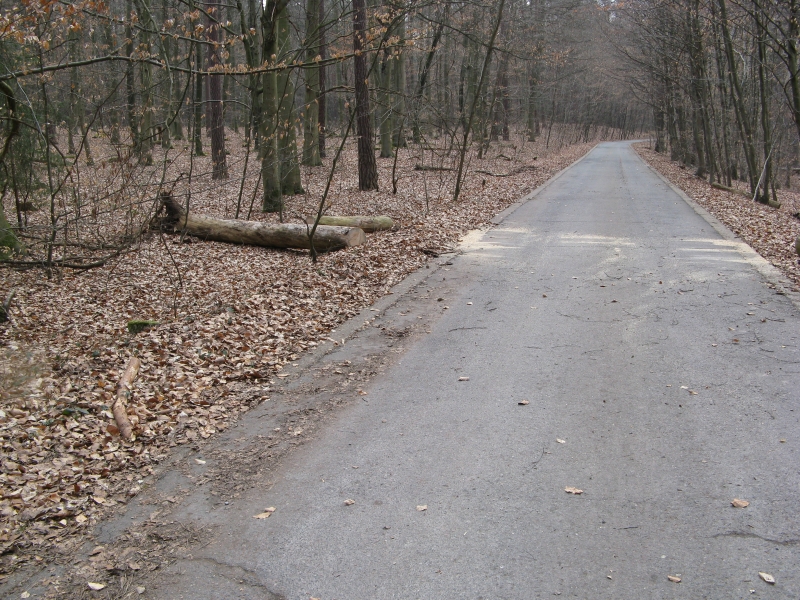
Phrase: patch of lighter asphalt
x=595 y=344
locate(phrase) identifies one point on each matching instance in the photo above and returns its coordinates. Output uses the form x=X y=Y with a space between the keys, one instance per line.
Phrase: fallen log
x=725 y=188
x=279 y=235
x=119 y=408
x=432 y=168
x=771 y=203
x=368 y=224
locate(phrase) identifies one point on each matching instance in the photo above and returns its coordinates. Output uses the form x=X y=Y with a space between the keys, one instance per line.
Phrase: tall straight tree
x=287 y=115
x=272 y=199
x=311 y=153
x=367 y=167
x=321 y=102
x=214 y=81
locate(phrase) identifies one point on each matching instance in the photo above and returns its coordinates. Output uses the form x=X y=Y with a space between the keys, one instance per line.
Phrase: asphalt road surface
x=614 y=342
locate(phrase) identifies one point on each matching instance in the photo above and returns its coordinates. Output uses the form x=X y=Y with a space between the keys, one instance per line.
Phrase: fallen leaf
x=140 y=589
x=199 y=461
x=523 y=402
x=349 y=502
x=737 y=503
x=80 y=519
x=283 y=375
x=25 y=595
x=463 y=378
x=767 y=577
x=573 y=490
x=422 y=507
x=692 y=393
x=469 y=303
x=266 y=514
x=96 y=586
x=560 y=441
x=674 y=579
x=97 y=550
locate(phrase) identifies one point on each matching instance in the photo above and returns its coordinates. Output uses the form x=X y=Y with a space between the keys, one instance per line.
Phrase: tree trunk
x=385 y=79
x=145 y=145
x=287 y=115
x=255 y=233
x=762 y=194
x=399 y=87
x=367 y=168
x=311 y=154
x=130 y=88
x=197 y=106
x=322 y=103
x=272 y=199
x=216 y=123
x=742 y=115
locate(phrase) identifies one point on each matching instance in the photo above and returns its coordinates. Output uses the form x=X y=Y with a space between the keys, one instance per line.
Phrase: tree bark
x=311 y=154
x=385 y=78
x=255 y=233
x=742 y=116
x=272 y=200
x=287 y=116
x=367 y=167
x=214 y=82
x=322 y=103
x=368 y=224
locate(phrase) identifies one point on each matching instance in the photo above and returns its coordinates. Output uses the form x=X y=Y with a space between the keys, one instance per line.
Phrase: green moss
x=137 y=325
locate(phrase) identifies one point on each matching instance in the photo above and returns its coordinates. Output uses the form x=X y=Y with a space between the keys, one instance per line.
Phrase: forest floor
x=229 y=318
x=769 y=231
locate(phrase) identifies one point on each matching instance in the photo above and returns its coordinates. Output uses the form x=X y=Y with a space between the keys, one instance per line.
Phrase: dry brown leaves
x=229 y=318
x=770 y=232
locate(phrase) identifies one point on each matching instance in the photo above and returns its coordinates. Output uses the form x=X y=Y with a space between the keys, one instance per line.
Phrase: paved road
x=662 y=375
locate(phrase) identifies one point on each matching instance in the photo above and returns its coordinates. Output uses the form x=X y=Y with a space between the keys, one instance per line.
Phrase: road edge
x=766 y=269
